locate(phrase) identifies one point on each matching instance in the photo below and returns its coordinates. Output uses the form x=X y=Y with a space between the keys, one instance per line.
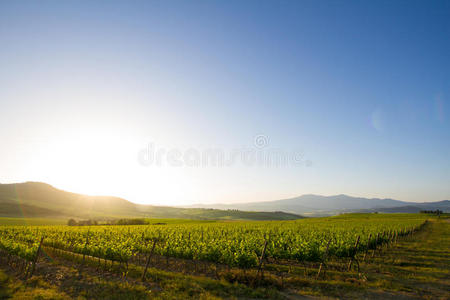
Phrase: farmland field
x=260 y=256
x=30 y=221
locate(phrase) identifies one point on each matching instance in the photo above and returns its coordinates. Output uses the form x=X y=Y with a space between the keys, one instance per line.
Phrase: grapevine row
x=234 y=244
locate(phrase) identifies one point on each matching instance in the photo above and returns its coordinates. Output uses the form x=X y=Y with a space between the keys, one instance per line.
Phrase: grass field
x=31 y=221
x=48 y=222
x=415 y=267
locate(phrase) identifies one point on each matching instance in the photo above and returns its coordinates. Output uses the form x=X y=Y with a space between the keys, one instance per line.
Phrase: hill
x=414 y=208
x=40 y=200
x=334 y=204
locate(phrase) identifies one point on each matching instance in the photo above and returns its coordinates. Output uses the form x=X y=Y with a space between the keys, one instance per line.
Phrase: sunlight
x=100 y=163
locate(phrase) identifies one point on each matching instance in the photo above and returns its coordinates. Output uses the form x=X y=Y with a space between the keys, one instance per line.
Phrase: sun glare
x=99 y=163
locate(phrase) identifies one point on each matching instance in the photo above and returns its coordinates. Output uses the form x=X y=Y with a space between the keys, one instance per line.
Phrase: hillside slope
x=334 y=204
x=35 y=199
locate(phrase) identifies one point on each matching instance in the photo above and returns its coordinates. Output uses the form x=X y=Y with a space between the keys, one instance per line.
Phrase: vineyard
x=234 y=244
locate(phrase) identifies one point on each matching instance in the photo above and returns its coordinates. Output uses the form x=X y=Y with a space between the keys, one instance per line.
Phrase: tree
x=72 y=222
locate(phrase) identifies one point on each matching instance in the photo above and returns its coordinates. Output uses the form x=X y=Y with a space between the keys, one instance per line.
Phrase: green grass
x=177 y=221
x=31 y=221
x=47 y=221
x=36 y=289
x=87 y=282
x=417 y=267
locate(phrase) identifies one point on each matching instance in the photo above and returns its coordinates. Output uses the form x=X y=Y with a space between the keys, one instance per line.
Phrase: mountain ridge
x=310 y=203
x=36 y=199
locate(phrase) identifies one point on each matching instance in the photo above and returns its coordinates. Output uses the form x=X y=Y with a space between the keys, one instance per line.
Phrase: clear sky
x=361 y=88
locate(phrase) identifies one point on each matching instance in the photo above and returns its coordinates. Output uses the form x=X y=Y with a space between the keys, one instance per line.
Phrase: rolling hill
x=414 y=208
x=35 y=199
x=317 y=204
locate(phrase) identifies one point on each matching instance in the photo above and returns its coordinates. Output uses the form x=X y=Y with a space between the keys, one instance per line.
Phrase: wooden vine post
x=36 y=257
x=376 y=245
x=323 y=262
x=261 y=259
x=368 y=245
x=384 y=244
x=148 y=260
x=85 y=246
x=354 y=254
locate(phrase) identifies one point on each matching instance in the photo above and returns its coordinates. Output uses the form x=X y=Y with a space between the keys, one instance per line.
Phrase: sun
x=102 y=163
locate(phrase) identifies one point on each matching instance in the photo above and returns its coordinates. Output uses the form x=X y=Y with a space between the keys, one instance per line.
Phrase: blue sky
x=362 y=88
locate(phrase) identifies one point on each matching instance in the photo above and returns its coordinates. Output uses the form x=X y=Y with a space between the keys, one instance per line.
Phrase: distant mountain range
x=36 y=199
x=316 y=204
